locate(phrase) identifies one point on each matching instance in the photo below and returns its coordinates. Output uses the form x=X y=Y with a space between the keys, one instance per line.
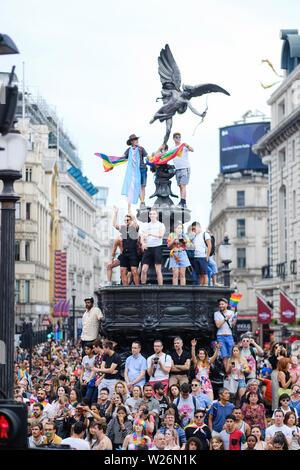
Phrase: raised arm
x=216 y=353
x=193 y=351
x=259 y=350
x=114 y=221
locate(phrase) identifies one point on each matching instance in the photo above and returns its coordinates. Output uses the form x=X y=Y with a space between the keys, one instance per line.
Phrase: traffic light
x=13 y=425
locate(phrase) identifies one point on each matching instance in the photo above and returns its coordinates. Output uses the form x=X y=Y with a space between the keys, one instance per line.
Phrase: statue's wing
x=168 y=69
x=198 y=90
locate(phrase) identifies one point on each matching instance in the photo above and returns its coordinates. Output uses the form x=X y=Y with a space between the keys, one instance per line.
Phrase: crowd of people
x=89 y=397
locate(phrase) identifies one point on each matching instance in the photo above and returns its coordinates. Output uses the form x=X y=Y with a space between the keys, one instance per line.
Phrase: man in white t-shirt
x=278 y=426
x=182 y=167
x=159 y=366
x=76 y=440
x=225 y=320
x=202 y=245
x=152 y=239
x=90 y=322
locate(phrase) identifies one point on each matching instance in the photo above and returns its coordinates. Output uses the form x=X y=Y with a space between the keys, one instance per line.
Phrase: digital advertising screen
x=236 y=143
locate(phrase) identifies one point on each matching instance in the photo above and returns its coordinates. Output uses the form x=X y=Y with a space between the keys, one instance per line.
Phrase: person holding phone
x=178 y=242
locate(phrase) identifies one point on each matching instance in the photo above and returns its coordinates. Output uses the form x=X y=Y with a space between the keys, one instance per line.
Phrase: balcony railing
x=281 y=270
x=267 y=272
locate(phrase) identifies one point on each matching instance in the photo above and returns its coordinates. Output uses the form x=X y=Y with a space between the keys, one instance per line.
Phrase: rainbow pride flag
x=234 y=300
x=110 y=162
x=162 y=159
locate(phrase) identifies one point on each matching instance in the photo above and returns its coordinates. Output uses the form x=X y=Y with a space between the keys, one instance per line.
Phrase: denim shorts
x=179 y=260
x=242 y=383
x=183 y=176
x=213 y=266
x=227 y=344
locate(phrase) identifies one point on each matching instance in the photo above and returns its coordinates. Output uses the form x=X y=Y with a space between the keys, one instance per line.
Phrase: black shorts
x=129 y=260
x=152 y=255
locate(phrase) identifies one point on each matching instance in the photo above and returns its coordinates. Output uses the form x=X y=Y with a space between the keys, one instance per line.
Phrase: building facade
x=57 y=212
x=239 y=208
x=37 y=227
x=280 y=149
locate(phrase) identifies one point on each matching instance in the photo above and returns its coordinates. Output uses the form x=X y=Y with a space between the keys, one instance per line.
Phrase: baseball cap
x=222 y=299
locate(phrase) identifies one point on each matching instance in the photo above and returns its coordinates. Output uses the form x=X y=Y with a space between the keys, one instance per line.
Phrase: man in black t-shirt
x=110 y=368
x=164 y=402
x=181 y=364
x=129 y=258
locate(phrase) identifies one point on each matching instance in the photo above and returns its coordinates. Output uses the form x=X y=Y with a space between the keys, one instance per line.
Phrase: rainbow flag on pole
x=234 y=300
x=110 y=162
x=162 y=159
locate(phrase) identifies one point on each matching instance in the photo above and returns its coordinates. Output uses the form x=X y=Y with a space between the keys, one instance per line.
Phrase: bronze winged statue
x=176 y=100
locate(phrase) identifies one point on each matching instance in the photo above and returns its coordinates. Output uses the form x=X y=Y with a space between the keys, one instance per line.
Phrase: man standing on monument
x=182 y=166
x=152 y=240
x=135 y=181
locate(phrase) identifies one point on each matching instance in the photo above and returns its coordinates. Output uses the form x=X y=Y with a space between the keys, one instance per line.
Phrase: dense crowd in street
x=87 y=397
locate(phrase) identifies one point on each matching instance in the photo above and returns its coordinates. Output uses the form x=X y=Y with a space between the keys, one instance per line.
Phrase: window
x=17 y=250
x=281 y=110
x=240 y=228
x=241 y=258
x=27 y=292
x=17 y=292
x=240 y=198
x=27 y=251
x=28 y=210
x=283 y=236
x=28 y=174
x=293 y=150
x=281 y=158
x=18 y=210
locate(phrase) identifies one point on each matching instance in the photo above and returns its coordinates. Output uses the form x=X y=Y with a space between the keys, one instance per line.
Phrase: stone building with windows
x=280 y=150
x=37 y=227
x=57 y=211
x=239 y=208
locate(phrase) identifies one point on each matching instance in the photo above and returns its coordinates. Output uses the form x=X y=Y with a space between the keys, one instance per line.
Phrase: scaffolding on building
x=40 y=113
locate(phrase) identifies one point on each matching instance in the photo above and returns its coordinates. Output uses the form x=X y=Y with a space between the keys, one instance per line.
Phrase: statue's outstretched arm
x=197 y=112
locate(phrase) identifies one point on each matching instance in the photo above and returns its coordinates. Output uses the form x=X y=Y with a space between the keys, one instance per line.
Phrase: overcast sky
x=96 y=62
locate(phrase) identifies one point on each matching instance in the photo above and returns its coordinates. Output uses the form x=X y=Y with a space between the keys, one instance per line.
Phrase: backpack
x=176 y=401
x=253 y=354
x=213 y=244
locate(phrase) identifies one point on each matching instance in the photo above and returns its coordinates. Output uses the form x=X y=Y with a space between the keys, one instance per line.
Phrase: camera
x=155 y=359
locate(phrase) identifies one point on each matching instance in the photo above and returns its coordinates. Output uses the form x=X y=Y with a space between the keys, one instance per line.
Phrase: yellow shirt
x=56 y=440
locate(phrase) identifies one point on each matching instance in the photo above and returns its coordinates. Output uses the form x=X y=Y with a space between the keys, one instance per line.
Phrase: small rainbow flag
x=234 y=300
x=162 y=159
x=110 y=162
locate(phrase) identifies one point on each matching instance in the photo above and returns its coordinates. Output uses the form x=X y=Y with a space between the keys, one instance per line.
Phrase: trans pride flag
x=110 y=162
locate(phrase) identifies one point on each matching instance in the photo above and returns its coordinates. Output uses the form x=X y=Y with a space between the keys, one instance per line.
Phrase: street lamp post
x=225 y=252
x=13 y=149
x=73 y=313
